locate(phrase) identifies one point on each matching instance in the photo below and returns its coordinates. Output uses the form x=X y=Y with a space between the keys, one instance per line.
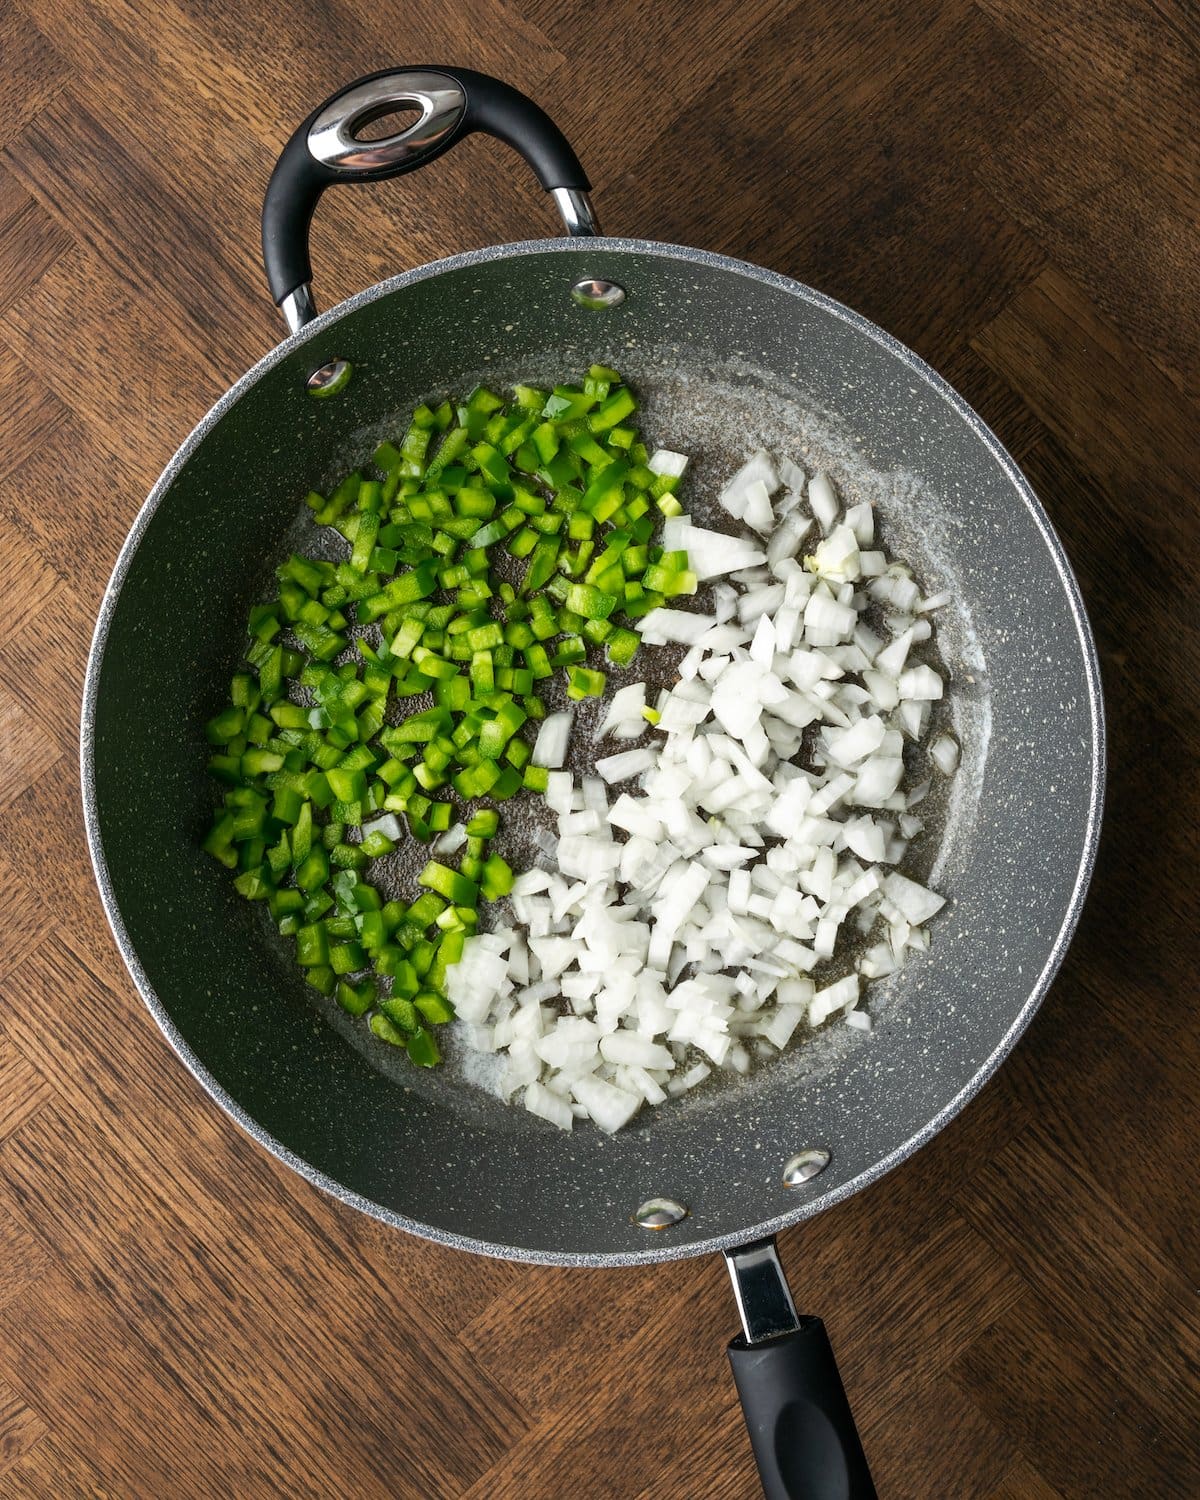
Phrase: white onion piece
x=446 y=843
x=826 y=622
x=389 y=824
x=627 y=763
x=861 y=521
x=640 y=1051
x=837 y=557
x=711 y=553
x=845 y=747
x=838 y=996
x=877 y=780
x=662 y=625
x=663 y=461
x=625 y=707
x=884 y=690
x=756 y=507
x=865 y=838
x=633 y=815
x=891 y=659
x=554 y=736
x=913 y=717
x=610 y=1107
x=690 y=1079
x=823 y=501
x=559 y=792
x=921 y=683
x=540 y=1101
x=944 y=754
x=784 y=541
x=792 y=477
x=914 y=903
x=758 y=469
x=877 y=962
x=778 y=1030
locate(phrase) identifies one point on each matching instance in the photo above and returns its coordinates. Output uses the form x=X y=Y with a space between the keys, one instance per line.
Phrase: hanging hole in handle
x=387 y=121
x=337 y=137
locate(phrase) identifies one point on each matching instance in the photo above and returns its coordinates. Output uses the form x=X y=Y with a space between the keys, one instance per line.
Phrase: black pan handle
x=799 y=1420
x=451 y=103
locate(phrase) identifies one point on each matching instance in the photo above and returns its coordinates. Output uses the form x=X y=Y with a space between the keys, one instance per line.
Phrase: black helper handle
x=799 y=1420
x=452 y=102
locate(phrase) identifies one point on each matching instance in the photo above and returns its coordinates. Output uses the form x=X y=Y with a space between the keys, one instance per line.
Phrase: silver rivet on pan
x=660 y=1213
x=330 y=379
x=598 y=294
x=804 y=1166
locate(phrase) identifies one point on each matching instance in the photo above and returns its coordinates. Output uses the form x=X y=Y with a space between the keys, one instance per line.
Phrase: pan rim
x=658 y=1251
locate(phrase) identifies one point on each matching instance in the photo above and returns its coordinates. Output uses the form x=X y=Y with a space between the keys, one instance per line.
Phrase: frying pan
x=726 y=356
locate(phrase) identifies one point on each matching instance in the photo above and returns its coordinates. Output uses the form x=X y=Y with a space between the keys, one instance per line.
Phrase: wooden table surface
x=1008 y=186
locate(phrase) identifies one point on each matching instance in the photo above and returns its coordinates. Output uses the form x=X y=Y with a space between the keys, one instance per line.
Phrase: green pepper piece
x=386 y=1030
x=422 y=1049
x=313 y=871
x=401 y=1011
x=455 y=887
x=312 y=946
x=434 y=1007
x=497 y=878
x=484 y=823
x=356 y=999
x=345 y=958
x=225 y=726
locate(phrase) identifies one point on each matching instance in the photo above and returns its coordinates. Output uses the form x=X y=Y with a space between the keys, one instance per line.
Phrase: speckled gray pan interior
x=726 y=356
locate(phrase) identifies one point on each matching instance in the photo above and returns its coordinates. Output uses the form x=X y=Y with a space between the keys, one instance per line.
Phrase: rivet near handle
x=659 y=1213
x=804 y=1166
x=330 y=379
x=598 y=295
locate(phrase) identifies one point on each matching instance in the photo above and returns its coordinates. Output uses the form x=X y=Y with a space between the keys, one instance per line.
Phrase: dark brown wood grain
x=1007 y=185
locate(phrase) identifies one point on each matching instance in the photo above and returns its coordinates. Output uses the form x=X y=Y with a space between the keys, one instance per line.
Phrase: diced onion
x=628 y=763
x=540 y=1101
x=758 y=469
x=554 y=736
x=823 y=501
x=921 y=683
x=677 y=927
x=665 y=462
x=386 y=823
x=610 y=1107
x=944 y=754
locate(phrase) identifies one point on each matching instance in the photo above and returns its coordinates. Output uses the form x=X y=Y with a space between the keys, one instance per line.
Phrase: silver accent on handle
x=578 y=215
x=440 y=99
x=763 y=1296
x=298 y=308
